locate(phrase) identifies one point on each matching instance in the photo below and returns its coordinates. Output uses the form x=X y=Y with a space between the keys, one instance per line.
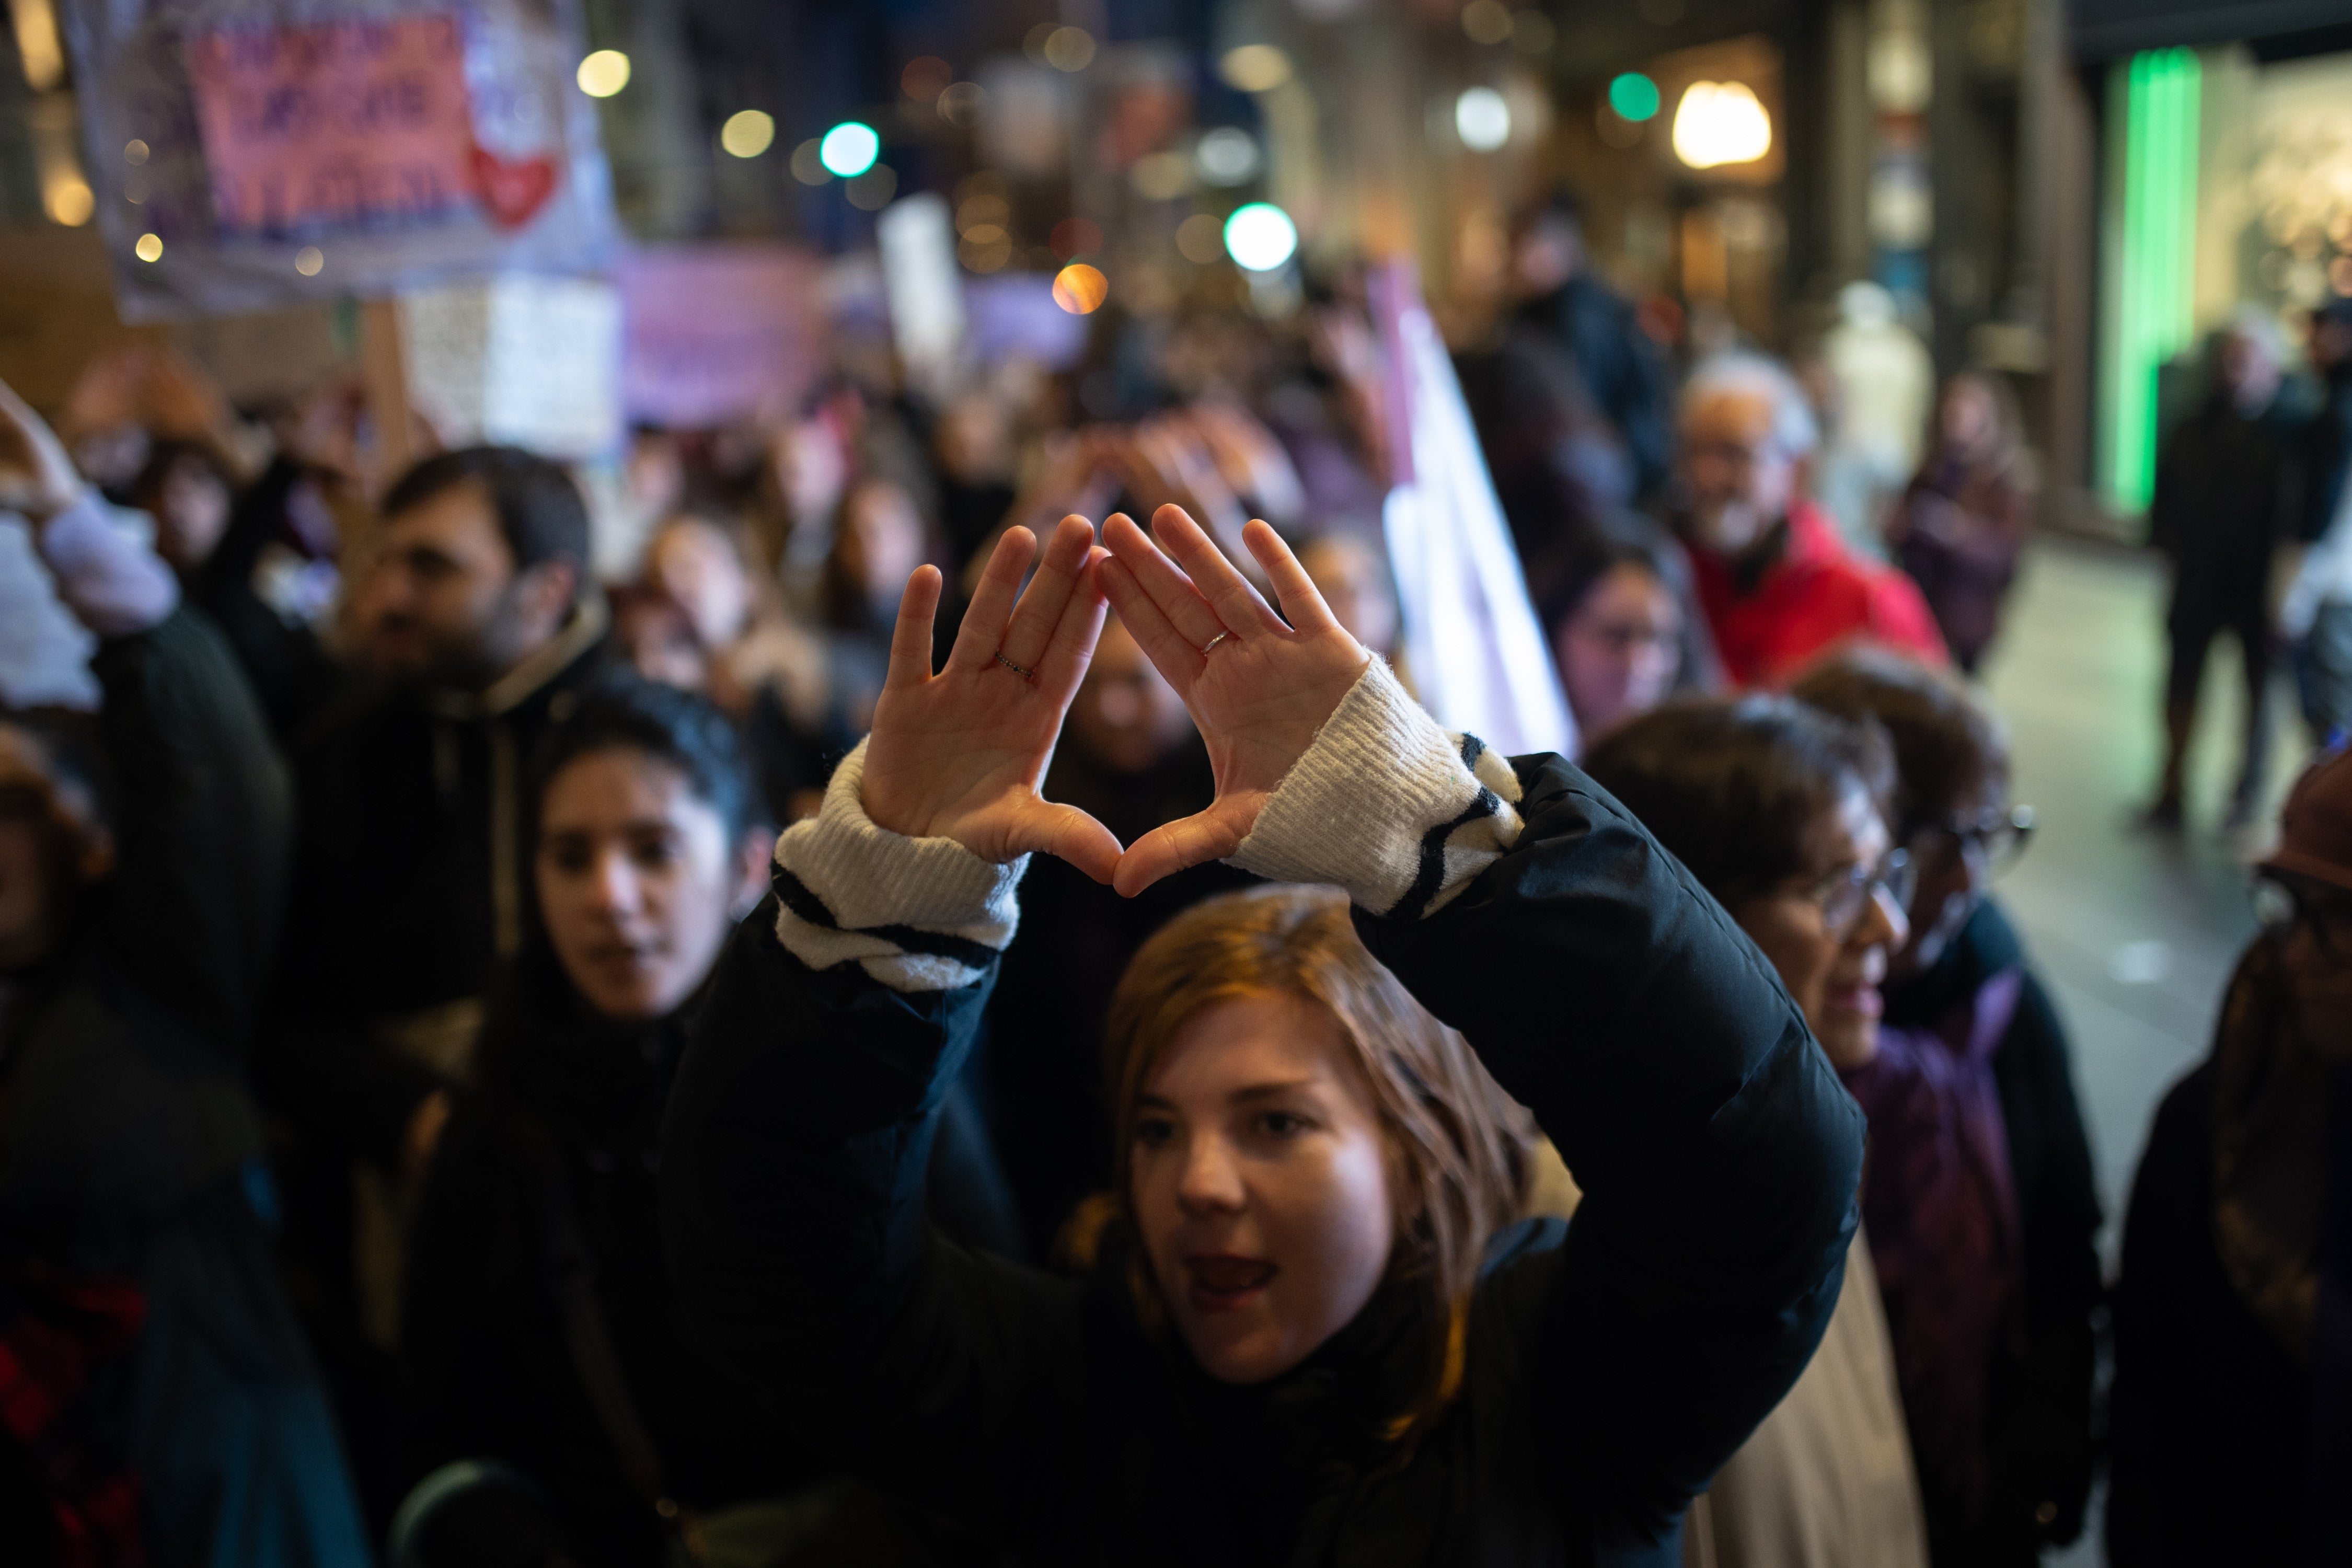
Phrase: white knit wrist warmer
x=1387 y=806
x=920 y=914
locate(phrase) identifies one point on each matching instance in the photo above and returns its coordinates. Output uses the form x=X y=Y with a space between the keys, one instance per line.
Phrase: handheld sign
x=254 y=154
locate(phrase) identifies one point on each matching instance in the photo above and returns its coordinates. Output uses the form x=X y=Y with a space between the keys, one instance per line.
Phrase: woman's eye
x=654 y=853
x=570 y=859
x=1281 y=1123
x=1152 y=1134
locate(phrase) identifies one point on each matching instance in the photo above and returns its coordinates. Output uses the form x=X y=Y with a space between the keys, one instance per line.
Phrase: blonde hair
x=1460 y=1151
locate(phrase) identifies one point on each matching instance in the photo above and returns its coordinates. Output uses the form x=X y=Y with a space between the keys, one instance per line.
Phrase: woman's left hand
x=1259 y=688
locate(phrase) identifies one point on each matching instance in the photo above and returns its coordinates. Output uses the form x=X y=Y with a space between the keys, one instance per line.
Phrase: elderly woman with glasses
x=1978 y=1193
x=1780 y=811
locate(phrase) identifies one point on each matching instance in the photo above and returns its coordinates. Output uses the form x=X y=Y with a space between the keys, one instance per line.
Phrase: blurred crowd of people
x=349 y=947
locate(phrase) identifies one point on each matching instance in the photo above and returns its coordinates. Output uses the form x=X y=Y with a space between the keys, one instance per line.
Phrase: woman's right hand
x=961 y=754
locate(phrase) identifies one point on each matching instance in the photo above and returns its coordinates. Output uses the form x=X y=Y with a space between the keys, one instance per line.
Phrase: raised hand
x=36 y=477
x=961 y=754
x=1258 y=689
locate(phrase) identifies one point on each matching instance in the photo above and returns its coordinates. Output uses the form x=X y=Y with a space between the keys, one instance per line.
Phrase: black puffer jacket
x=1612 y=1363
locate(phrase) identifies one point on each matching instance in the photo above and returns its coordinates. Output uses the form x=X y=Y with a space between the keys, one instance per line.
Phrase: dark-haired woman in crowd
x=1779 y=810
x=1617 y=607
x=1313 y=1337
x=1978 y=1197
x=551 y=1401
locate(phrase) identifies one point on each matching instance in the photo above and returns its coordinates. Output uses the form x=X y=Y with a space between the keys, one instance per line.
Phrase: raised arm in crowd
x=1313 y=1333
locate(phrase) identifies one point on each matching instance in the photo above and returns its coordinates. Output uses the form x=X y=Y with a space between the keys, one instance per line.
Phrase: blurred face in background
x=881 y=541
x=1260 y=1181
x=1739 y=479
x=190 y=504
x=974 y=440
x=1354 y=582
x=637 y=881
x=1620 y=649
x=696 y=564
x=658 y=639
x=1126 y=717
x=1951 y=866
x=443 y=604
x=2250 y=373
x=1829 y=946
x=809 y=467
x=1968 y=419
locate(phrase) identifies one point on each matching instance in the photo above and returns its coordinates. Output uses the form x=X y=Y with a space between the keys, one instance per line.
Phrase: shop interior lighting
x=603 y=73
x=310 y=261
x=748 y=133
x=1719 y=123
x=849 y=148
x=1486 y=22
x=1482 y=119
x=37 y=46
x=1260 y=237
x=1634 y=97
x=2151 y=311
x=1069 y=48
x=148 y=249
x=66 y=196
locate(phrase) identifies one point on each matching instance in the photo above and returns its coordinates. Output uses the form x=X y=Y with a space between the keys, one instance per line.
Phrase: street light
x=1260 y=237
x=1481 y=119
x=849 y=148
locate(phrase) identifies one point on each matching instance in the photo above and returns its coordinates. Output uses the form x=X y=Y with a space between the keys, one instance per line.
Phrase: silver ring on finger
x=1211 y=646
x=1024 y=674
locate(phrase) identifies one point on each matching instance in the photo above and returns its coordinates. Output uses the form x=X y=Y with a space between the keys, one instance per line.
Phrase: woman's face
x=637 y=881
x=883 y=539
x=1833 y=975
x=1952 y=872
x=696 y=565
x=1261 y=1183
x=192 y=512
x=1620 y=649
x=1968 y=416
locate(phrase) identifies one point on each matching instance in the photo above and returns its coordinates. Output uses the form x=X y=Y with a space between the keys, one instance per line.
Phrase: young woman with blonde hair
x=1313 y=1336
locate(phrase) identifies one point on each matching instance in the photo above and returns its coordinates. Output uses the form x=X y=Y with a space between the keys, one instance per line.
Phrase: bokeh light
x=871 y=191
x=1080 y=289
x=1200 y=239
x=1486 y=21
x=310 y=261
x=1633 y=96
x=1721 y=122
x=925 y=78
x=134 y=152
x=808 y=168
x=1069 y=48
x=68 y=200
x=748 y=133
x=603 y=73
x=148 y=249
x=1255 y=68
x=849 y=148
x=1261 y=237
x=1482 y=119
x=1227 y=156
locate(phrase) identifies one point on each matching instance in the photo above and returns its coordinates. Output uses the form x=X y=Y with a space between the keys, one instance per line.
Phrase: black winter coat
x=1613 y=1363
x=2226 y=490
x=2038 y=1404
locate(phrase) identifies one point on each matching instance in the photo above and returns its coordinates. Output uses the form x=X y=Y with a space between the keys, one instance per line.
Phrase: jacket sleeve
x=795 y=1151
x=291 y=672
x=1609 y=994
x=199 y=797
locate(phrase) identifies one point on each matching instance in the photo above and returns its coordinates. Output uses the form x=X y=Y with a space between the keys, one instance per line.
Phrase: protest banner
x=1476 y=653
x=717 y=334
x=254 y=154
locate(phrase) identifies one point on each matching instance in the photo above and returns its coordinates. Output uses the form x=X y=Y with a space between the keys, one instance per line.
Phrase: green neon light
x=2154 y=99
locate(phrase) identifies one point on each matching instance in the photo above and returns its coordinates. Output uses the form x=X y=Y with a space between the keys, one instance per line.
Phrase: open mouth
x=1221 y=1282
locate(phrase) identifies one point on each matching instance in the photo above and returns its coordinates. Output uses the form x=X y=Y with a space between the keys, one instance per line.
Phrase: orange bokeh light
x=1080 y=289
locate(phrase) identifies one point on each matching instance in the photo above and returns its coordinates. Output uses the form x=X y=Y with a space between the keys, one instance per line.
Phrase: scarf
x=1940 y=1206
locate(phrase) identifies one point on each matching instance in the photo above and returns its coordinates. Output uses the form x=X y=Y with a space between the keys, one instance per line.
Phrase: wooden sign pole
x=385 y=371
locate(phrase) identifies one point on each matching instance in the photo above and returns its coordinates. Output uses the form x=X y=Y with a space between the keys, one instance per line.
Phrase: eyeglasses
x=1993 y=839
x=2283 y=902
x=1843 y=897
